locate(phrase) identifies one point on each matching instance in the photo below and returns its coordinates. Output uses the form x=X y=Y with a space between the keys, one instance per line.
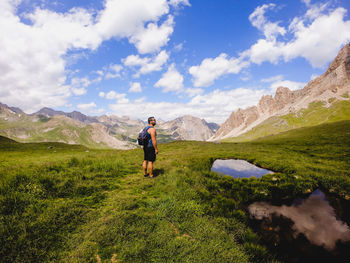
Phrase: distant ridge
x=95 y=132
x=75 y=115
x=14 y=109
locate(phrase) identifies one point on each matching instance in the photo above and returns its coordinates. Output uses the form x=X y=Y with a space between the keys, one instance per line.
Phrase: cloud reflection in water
x=313 y=217
x=238 y=168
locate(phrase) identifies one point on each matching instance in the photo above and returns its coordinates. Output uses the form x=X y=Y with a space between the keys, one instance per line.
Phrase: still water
x=238 y=168
x=313 y=229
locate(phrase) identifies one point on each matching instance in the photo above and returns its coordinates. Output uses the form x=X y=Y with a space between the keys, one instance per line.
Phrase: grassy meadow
x=66 y=203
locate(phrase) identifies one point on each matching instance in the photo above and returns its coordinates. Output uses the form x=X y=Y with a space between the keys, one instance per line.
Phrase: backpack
x=143 y=138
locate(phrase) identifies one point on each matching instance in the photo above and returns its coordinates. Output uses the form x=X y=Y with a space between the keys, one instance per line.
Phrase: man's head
x=152 y=121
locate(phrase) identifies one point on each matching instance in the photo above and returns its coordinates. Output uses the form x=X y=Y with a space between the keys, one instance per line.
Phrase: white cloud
x=315 y=10
x=140 y=100
x=90 y=108
x=272 y=79
x=120 y=97
x=124 y=18
x=278 y=81
x=306 y=2
x=110 y=71
x=313 y=76
x=171 y=80
x=292 y=85
x=97 y=111
x=153 y=37
x=87 y=107
x=317 y=36
x=78 y=85
x=146 y=65
x=79 y=91
x=178 y=47
x=265 y=50
x=80 y=82
x=191 y=92
x=135 y=87
x=177 y=3
x=113 y=71
x=101 y=94
x=33 y=55
x=270 y=30
x=320 y=41
x=211 y=69
x=202 y=106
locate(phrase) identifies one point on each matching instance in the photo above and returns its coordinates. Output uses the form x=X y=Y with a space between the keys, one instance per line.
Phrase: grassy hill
x=317 y=113
x=28 y=129
x=64 y=203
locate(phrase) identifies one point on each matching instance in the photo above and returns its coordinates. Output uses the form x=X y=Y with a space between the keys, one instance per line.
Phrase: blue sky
x=163 y=58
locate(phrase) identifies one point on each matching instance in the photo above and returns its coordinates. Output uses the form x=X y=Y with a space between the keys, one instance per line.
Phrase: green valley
x=68 y=203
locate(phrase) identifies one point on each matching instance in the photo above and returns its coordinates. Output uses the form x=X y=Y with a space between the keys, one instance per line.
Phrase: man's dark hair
x=150 y=119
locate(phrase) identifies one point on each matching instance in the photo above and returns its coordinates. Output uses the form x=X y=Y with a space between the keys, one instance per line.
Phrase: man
x=150 y=148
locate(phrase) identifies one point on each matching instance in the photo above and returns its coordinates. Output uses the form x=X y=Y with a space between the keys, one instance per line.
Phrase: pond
x=238 y=168
x=313 y=229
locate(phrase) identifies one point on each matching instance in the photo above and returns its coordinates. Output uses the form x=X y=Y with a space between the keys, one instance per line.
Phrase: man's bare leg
x=144 y=166
x=150 y=169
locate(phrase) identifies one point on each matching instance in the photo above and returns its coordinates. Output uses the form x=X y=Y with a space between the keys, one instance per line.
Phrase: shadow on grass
x=157 y=172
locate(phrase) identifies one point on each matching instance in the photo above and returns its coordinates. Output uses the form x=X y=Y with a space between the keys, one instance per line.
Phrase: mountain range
x=324 y=99
x=330 y=92
x=95 y=132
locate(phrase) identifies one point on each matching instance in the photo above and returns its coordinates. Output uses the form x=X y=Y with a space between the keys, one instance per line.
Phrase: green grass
x=346 y=95
x=315 y=114
x=64 y=203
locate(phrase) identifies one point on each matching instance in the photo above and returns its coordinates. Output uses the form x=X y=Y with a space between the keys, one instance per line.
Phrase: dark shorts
x=149 y=154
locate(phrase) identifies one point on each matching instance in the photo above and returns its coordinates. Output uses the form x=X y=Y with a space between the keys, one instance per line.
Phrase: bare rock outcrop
x=188 y=128
x=100 y=134
x=334 y=83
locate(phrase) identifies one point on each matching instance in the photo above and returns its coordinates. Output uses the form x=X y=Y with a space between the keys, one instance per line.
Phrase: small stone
x=274 y=179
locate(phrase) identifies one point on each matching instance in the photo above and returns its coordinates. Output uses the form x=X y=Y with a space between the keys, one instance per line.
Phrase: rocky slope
x=188 y=128
x=333 y=84
x=59 y=128
x=122 y=126
x=13 y=109
x=317 y=113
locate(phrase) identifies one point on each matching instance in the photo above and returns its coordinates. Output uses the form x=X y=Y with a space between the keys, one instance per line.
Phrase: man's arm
x=152 y=131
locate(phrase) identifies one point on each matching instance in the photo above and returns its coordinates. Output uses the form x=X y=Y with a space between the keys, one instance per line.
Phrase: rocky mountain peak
x=48 y=112
x=188 y=127
x=341 y=60
x=265 y=103
x=334 y=83
x=13 y=109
